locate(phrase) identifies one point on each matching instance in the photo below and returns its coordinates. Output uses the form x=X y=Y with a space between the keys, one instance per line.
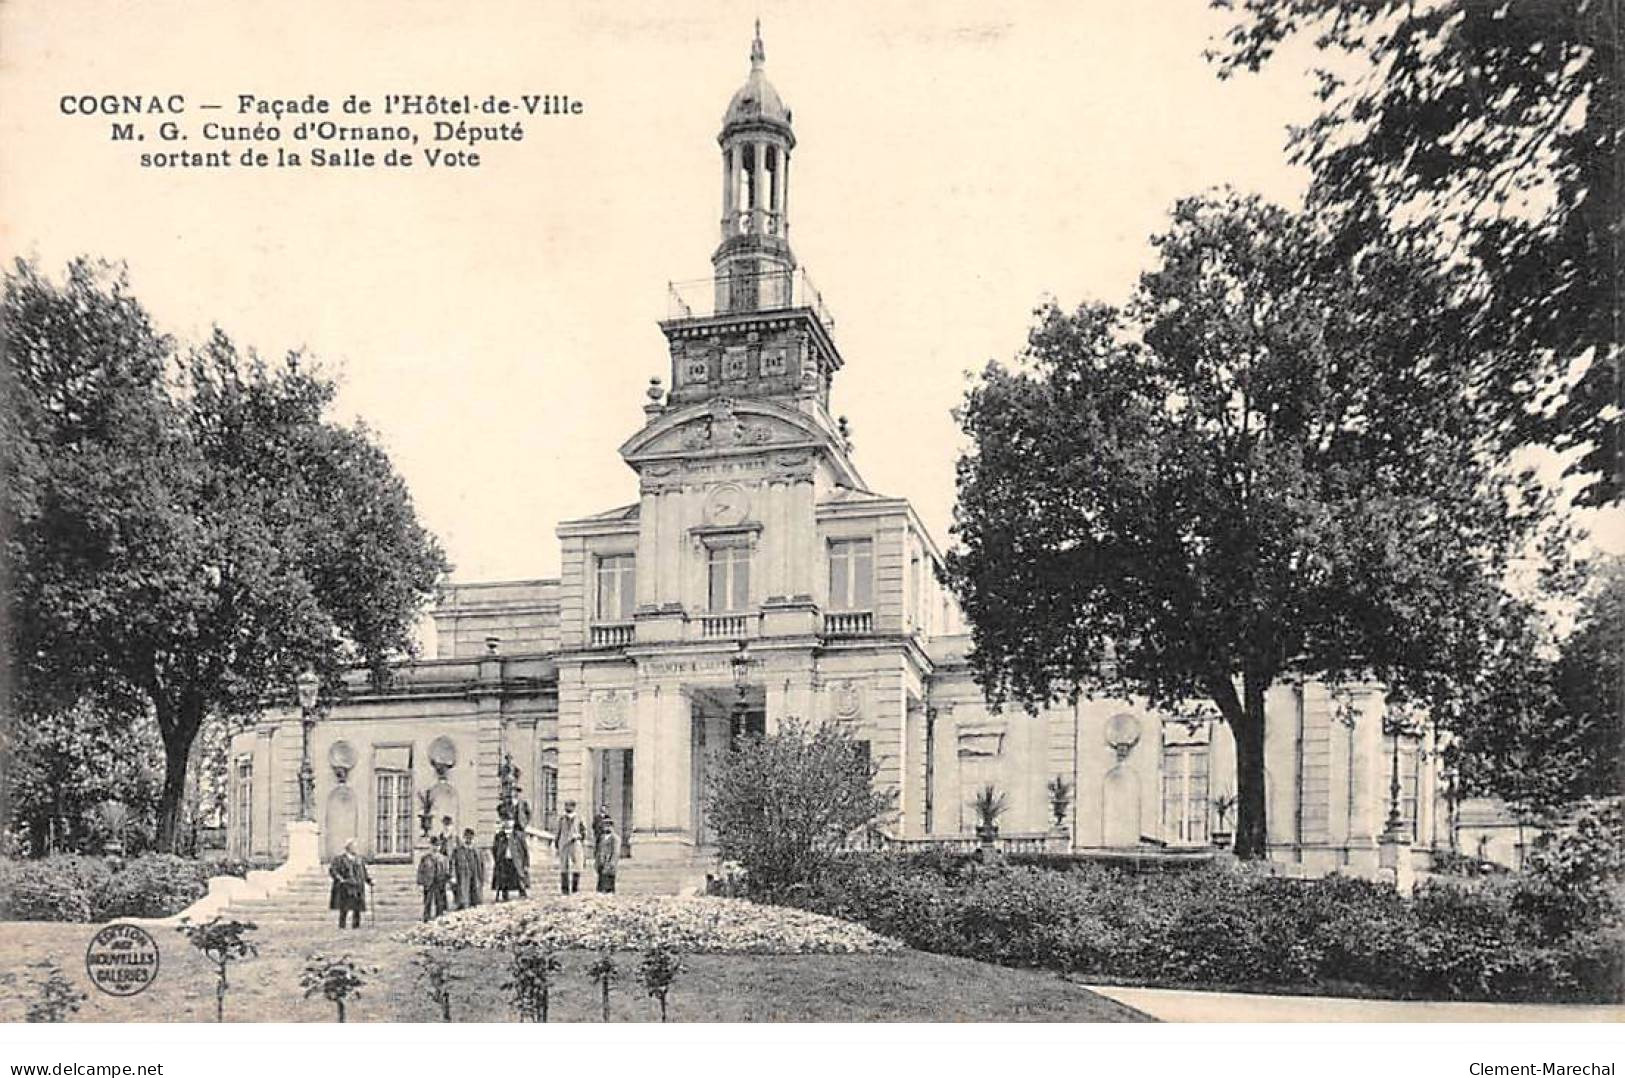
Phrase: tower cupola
x=756 y=141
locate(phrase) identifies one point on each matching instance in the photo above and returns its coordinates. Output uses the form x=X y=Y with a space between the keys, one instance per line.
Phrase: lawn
x=907 y=986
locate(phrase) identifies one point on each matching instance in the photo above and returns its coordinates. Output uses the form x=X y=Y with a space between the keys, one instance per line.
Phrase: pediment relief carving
x=721 y=424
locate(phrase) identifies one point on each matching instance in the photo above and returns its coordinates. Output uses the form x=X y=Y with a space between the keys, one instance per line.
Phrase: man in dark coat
x=607 y=856
x=466 y=872
x=503 y=879
x=350 y=880
x=434 y=872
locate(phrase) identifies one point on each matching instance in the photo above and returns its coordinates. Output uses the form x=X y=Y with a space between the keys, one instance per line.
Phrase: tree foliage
x=1486 y=133
x=66 y=762
x=783 y=805
x=1551 y=729
x=1266 y=465
x=186 y=528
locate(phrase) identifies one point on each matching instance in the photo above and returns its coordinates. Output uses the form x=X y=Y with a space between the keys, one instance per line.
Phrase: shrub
x=56 y=996
x=58 y=888
x=70 y=887
x=337 y=980
x=534 y=968
x=1230 y=925
x=222 y=943
x=1585 y=865
x=657 y=972
x=783 y=805
x=154 y=885
x=436 y=977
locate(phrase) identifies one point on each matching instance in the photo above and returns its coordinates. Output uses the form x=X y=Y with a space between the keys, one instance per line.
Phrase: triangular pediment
x=722 y=425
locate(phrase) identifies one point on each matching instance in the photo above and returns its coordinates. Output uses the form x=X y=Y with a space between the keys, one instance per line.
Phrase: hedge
x=1237 y=927
x=69 y=887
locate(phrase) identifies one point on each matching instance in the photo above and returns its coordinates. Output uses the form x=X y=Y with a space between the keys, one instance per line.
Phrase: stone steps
x=395 y=900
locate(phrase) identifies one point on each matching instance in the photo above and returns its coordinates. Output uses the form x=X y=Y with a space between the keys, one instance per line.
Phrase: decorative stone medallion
x=341 y=757
x=610 y=710
x=846 y=699
x=1122 y=734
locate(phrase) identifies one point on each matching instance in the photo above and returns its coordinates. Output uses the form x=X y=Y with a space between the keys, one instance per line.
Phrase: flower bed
x=637 y=922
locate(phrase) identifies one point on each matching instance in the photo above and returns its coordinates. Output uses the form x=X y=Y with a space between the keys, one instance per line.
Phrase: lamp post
x=1393 y=728
x=308 y=684
x=741 y=670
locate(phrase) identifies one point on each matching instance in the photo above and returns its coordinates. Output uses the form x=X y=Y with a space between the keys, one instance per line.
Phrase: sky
x=956 y=165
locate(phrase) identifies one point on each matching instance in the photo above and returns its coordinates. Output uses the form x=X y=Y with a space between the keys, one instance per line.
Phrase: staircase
x=396 y=902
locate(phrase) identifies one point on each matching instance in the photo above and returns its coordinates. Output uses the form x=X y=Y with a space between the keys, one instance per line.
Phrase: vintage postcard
x=842 y=513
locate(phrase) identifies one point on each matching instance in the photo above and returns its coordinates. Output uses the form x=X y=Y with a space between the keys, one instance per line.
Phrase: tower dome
x=756 y=103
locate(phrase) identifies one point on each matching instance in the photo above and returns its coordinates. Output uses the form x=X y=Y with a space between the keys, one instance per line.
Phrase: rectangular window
x=617 y=587
x=1185 y=793
x=728 y=573
x=393 y=833
x=851 y=574
x=550 y=791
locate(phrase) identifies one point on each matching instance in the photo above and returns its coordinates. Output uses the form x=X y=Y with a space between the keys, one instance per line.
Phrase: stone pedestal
x=304 y=844
x=1394 y=862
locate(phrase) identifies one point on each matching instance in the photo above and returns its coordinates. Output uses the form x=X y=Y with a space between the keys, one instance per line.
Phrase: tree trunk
x=1252 y=835
x=178 y=726
x=1245 y=717
x=174 y=793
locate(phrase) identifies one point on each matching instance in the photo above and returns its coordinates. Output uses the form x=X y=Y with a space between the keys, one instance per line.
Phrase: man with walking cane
x=351 y=880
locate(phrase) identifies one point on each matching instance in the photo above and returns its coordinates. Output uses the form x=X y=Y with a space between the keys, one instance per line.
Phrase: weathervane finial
x=757 y=52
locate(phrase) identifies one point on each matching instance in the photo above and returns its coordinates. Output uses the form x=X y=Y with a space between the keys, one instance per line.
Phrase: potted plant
x=1060 y=799
x=1222 y=805
x=989 y=804
x=426 y=812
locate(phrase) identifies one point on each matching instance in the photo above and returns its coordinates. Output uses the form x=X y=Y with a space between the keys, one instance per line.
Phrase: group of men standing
x=461 y=869
x=452 y=873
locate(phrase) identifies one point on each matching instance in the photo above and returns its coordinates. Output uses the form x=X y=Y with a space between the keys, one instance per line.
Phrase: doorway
x=612 y=789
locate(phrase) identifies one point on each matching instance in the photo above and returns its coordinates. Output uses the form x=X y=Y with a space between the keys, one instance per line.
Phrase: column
x=727 y=185
x=674 y=809
x=777 y=692
x=648 y=564
x=263 y=782
x=945 y=773
x=771 y=558
x=648 y=770
x=803 y=526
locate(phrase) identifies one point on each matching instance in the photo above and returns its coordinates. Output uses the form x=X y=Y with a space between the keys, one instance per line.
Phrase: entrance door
x=613 y=790
x=392 y=834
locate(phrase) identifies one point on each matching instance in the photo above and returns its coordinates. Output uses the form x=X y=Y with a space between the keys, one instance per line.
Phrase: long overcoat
x=350 y=879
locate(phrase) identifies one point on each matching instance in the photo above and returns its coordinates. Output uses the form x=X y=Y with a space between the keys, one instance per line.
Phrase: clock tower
x=756 y=328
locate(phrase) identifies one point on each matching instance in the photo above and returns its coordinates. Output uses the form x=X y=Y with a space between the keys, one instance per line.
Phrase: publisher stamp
x=122 y=960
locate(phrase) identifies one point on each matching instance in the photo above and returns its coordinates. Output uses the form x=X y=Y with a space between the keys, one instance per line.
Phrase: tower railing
x=747 y=293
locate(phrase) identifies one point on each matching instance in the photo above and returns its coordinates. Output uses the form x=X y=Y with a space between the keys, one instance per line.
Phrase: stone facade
x=758 y=577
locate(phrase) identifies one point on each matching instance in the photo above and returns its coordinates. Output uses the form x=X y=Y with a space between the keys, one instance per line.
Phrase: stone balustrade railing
x=849 y=623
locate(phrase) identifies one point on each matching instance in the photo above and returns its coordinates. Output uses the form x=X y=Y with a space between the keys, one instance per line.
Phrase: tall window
x=550 y=789
x=728 y=571
x=617 y=587
x=392 y=836
x=851 y=574
x=1185 y=793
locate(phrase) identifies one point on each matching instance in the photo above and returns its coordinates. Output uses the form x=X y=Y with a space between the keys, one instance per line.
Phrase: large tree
x=1265 y=466
x=186 y=529
x=1486 y=133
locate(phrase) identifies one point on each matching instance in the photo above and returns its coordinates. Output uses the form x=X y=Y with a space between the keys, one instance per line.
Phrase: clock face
x=727 y=506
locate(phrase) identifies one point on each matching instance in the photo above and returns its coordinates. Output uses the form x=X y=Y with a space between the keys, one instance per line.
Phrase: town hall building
x=757 y=577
